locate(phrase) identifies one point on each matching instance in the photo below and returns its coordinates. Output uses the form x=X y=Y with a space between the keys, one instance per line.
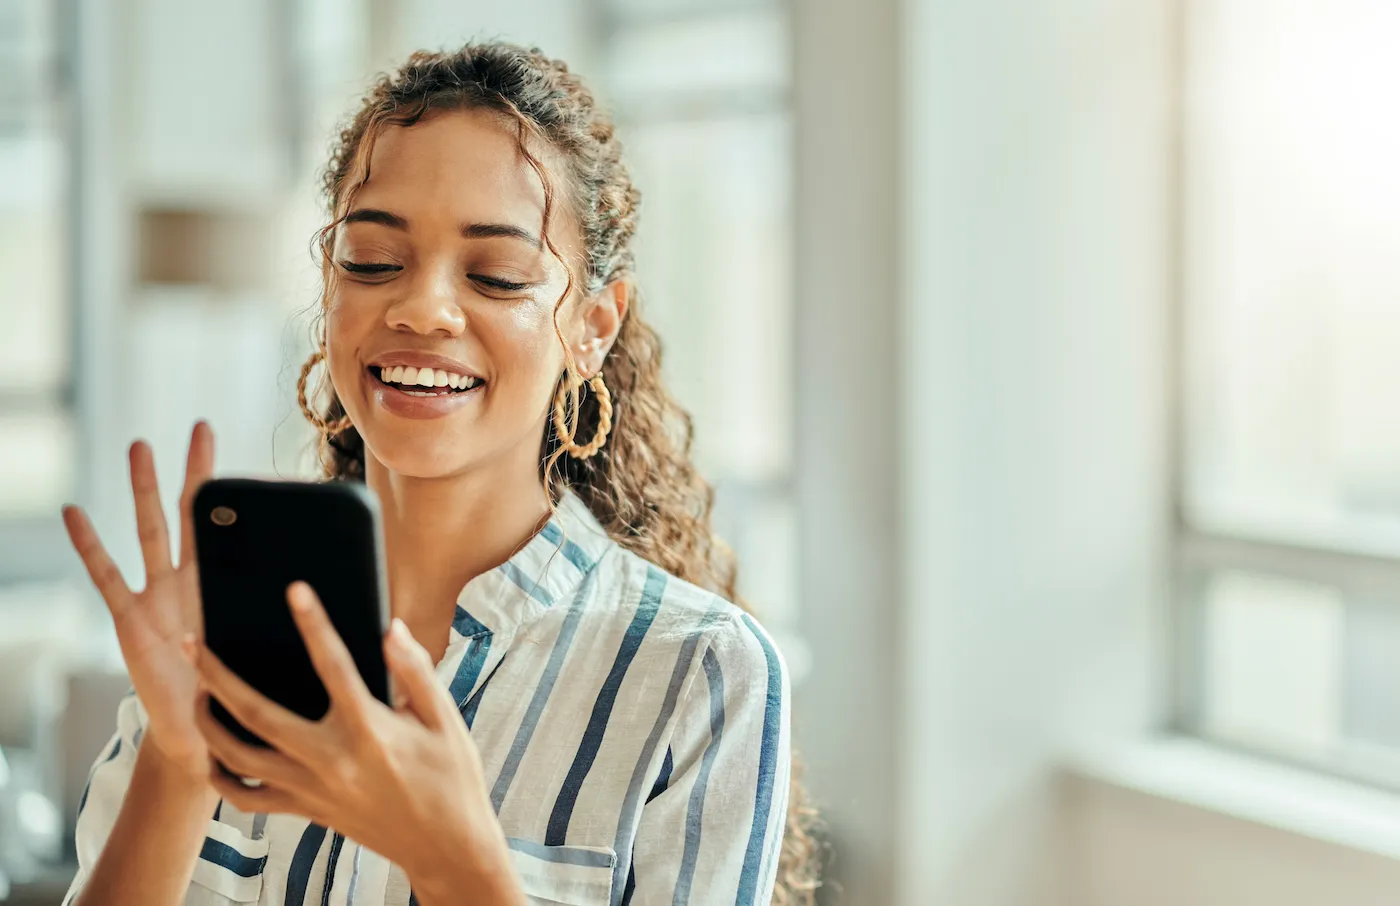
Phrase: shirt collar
x=546 y=571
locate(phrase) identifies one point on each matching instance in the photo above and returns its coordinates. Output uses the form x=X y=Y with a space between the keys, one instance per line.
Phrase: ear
x=602 y=317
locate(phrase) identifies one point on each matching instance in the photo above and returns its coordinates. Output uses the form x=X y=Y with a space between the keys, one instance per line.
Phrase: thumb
x=416 y=688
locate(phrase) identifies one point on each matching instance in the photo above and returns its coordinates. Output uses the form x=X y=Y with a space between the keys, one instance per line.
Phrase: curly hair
x=643 y=486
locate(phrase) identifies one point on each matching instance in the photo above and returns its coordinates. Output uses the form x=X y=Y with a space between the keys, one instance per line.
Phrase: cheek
x=524 y=348
x=347 y=325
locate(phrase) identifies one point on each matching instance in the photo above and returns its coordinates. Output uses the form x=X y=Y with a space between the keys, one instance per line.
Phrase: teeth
x=409 y=376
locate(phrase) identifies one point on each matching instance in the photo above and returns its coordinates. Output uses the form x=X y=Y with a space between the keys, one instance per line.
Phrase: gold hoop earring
x=327 y=429
x=605 y=414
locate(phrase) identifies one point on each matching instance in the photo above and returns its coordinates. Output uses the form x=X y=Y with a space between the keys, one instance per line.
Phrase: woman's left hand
x=406 y=782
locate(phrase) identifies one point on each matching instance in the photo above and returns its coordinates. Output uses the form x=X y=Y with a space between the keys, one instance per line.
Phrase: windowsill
x=1194 y=773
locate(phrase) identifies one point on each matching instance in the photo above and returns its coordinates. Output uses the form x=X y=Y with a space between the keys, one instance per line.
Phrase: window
x=37 y=426
x=700 y=94
x=1290 y=440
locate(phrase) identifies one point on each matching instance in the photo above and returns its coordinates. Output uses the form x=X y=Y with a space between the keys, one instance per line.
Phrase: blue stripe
x=767 y=769
x=627 y=826
x=470 y=668
x=299 y=872
x=218 y=809
x=572 y=552
x=528 y=585
x=87 y=787
x=695 y=811
x=542 y=693
x=354 y=877
x=575 y=555
x=337 y=841
x=592 y=740
x=562 y=855
x=225 y=856
x=663 y=779
x=469 y=714
x=630 y=889
x=466 y=624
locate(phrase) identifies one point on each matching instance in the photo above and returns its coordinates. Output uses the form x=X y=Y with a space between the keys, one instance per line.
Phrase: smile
x=422 y=390
x=424 y=382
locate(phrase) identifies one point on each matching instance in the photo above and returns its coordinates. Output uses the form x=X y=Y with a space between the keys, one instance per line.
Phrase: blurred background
x=1043 y=353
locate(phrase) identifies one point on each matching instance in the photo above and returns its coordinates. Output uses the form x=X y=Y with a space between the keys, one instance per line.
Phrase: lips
x=412 y=385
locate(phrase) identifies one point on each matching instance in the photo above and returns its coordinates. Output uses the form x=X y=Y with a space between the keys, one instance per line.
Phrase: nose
x=430 y=306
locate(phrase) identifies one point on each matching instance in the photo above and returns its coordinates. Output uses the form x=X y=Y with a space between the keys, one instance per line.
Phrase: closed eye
x=369 y=269
x=495 y=283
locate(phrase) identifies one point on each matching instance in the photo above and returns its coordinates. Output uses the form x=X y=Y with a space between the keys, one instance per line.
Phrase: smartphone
x=253 y=539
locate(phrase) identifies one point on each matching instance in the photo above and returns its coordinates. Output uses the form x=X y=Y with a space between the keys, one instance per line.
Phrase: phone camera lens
x=222 y=515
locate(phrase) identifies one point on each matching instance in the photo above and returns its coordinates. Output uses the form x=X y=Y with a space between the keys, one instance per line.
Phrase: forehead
x=458 y=166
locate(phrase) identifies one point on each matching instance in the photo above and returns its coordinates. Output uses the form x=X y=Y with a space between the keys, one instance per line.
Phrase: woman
x=556 y=588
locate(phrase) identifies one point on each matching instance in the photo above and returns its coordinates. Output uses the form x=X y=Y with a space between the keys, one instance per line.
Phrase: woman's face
x=440 y=327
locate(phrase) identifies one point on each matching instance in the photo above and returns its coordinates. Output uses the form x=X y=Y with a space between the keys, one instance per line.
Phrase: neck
x=440 y=533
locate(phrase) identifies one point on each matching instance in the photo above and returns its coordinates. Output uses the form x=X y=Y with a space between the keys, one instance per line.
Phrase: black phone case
x=253 y=539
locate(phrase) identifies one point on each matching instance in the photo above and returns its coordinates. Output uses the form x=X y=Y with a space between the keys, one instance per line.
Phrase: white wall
x=982 y=249
x=1036 y=273
x=846 y=98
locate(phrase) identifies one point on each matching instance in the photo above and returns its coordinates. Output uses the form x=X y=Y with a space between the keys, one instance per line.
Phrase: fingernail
x=401 y=631
x=296 y=596
x=187 y=645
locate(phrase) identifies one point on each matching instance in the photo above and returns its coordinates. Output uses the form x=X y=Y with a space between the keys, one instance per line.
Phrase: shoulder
x=677 y=612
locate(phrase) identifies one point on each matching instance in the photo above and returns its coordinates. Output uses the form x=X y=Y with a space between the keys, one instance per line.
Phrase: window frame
x=35 y=548
x=1205 y=543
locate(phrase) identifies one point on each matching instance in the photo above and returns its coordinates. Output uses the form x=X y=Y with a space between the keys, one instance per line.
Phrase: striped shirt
x=634 y=731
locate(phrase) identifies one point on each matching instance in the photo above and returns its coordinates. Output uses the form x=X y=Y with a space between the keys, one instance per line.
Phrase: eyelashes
x=385 y=270
x=371 y=270
x=505 y=285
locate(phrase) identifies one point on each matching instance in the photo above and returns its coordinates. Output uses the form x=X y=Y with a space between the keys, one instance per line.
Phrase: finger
x=415 y=678
x=151 y=528
x=329 y=656
x=199 y=468
x=284 y=730
x=266 y=800
x=98 y=562
x=250 y=761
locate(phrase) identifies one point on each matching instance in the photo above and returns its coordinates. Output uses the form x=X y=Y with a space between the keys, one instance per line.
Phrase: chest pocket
x=564 y=875
x=231 y=864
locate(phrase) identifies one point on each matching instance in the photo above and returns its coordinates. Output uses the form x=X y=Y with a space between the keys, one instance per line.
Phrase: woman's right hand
x=151 y=624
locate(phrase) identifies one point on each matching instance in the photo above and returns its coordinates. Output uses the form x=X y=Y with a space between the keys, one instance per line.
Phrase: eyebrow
x=469 y=230
x=508 y=230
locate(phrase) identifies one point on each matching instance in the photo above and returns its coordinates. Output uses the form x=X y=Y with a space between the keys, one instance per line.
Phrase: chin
x=440 y=448
x=426 y=456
